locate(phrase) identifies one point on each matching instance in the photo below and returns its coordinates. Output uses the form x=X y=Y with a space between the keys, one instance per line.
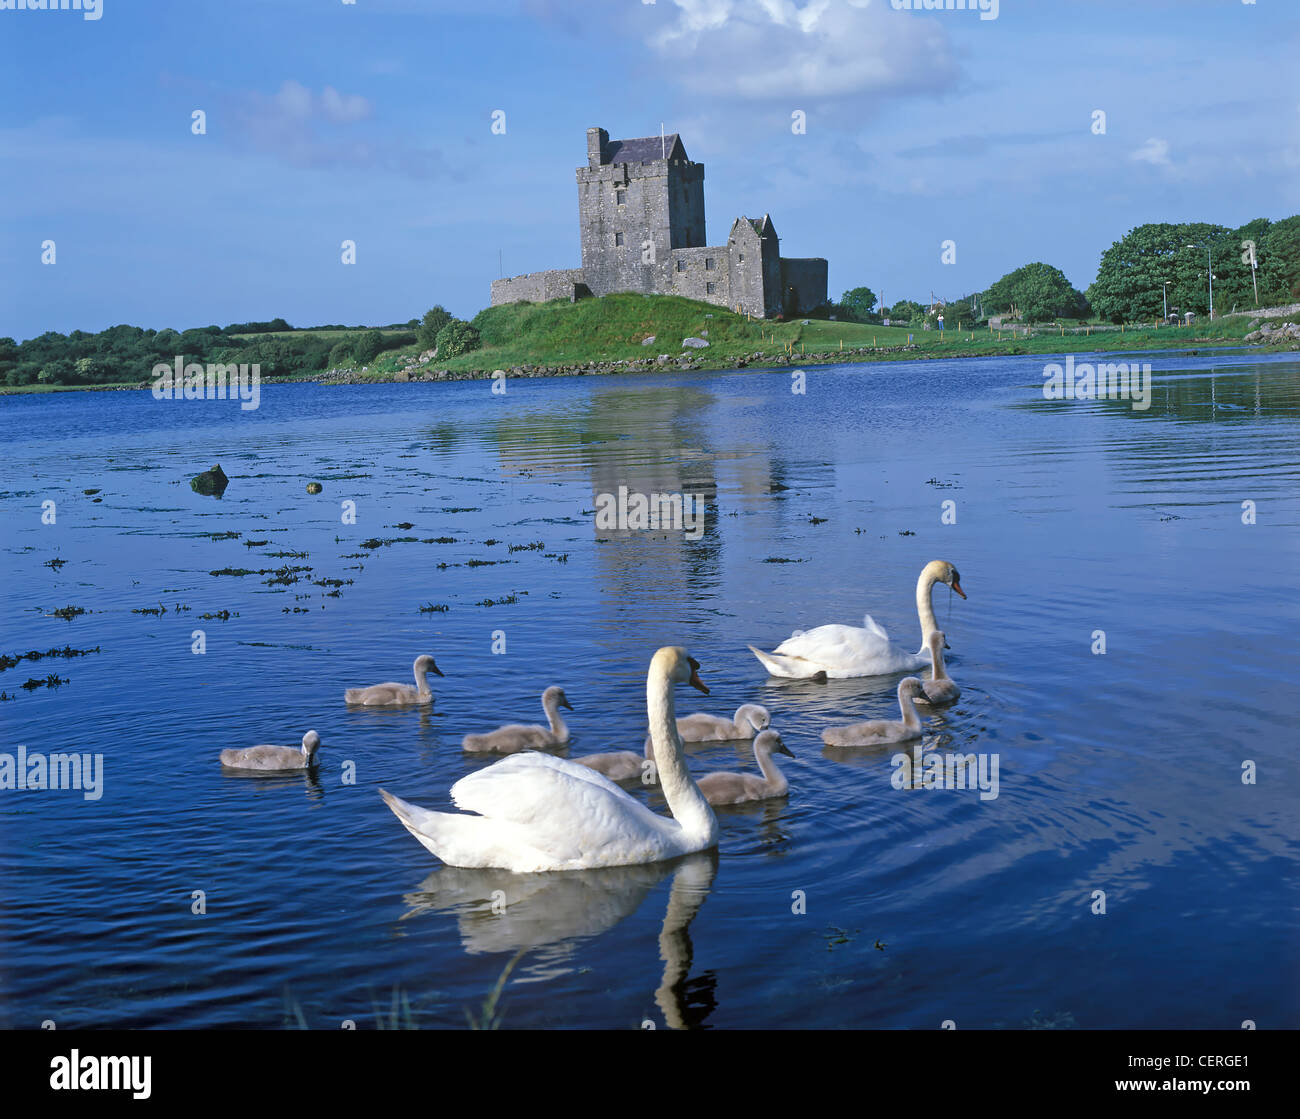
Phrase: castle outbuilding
x=641 y=224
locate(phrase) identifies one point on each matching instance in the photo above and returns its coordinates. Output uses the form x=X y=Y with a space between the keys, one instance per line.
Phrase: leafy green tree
x=903 y=311
x=457 y=337
x=1037 y=292
x=1278 y=258
x=858 y=304
x=1134 y=270
x=367 y=346
x=434 y=320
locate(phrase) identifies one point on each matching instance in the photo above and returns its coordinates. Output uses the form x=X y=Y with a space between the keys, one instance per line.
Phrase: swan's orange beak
x=695 y=681
x=957 y=587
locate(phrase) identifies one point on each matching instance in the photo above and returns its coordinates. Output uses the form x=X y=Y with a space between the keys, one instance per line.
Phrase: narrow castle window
x=742 y=258
x=620 y=196
x=681 y=266
x=708 y=264
x=710 y=288
x=618 y=238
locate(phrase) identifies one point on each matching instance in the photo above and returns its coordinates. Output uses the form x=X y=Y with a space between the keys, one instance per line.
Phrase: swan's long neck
x=776 y=780
x=685 y=801
x=421 y=679
x=911 y=719
x=551 y=705
x=939 y=671
x=924 y=607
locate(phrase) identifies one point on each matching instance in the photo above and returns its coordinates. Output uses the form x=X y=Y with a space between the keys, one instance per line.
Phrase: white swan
x=515 y=737
x=940 y=688
x=538 y=812
x=625 y=765
x=740 y=788
x=393 y=695
x=273 y=758
x=842 y=652
x=750 y=719
x=883 y=730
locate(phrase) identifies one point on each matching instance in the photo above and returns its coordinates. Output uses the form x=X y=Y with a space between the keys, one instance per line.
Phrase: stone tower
x=637 y=201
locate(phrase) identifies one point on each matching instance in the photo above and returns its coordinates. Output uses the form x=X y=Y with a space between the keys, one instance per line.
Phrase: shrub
x=457 y=337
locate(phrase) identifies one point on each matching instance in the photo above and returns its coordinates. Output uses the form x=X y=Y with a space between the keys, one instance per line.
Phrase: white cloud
x=1154 y=152
x=774 y=49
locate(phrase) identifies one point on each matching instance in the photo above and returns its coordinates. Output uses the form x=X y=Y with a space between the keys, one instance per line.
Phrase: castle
x=641 y=221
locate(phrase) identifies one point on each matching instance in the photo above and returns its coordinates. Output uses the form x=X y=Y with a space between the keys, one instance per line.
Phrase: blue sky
x=372 y=122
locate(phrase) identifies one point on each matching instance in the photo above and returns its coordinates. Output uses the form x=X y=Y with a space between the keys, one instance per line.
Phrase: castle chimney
x=597 y=142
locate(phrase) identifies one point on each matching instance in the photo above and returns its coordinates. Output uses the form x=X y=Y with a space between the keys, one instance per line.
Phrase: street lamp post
x=1164 y=292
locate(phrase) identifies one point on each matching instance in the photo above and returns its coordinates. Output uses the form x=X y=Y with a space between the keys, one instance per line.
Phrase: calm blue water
x=1119 y=772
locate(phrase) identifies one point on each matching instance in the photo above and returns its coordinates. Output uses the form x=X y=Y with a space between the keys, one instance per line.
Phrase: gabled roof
x=645 y=148
x=762 y=226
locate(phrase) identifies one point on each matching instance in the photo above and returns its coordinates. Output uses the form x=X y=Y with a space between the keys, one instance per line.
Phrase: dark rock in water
x=313 y=487
x=211 y=483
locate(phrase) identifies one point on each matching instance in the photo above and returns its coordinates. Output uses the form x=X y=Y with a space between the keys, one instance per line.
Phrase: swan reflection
x=551 y=914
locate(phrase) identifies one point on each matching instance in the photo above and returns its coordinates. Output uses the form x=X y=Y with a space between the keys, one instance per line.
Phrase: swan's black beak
x=945 y=640
x=695 y=680
x=783 y=749
x=436 y=670
x=956 y=585
x=565 y=703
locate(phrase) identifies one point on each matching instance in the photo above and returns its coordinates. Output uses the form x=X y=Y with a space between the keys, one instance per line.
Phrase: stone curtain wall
x=807 y=277
x=693 y=281
x=537 y=287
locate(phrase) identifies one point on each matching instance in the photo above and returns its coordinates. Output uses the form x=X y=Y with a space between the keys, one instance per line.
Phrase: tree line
x=1152 y=268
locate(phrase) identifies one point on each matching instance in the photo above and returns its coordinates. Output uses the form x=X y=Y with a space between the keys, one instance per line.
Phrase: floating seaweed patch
x=158 y=610
x=442 y=540
x=286 y=555
x=484 y=563
x=508 y=600
x=237 y=571
x=782 y=559
x=219 y=616
x=535 y=546
x=91 y=493
x=55 y=563
x=69 y=612
x=222 y=535
x=434 y=608
x=490 y=543
x=284 y=576
x=331 y=582
x=462 y=509
x=36 y=655
x=256 y=543
x=53 y=680
x=404 y=525
x=558 y=557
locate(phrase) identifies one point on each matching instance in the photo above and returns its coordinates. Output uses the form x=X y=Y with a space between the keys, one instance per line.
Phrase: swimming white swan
x=739 y=788
x=538 y=812
x=940 y=687
x=883 y=730
x=625 y=765
x=846 y=651
x=750 y=719
x=393 y=695
x=515 y=737
x=273 y=758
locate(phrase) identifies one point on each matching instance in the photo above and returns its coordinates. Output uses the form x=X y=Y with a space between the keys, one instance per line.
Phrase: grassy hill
x=612 y=329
